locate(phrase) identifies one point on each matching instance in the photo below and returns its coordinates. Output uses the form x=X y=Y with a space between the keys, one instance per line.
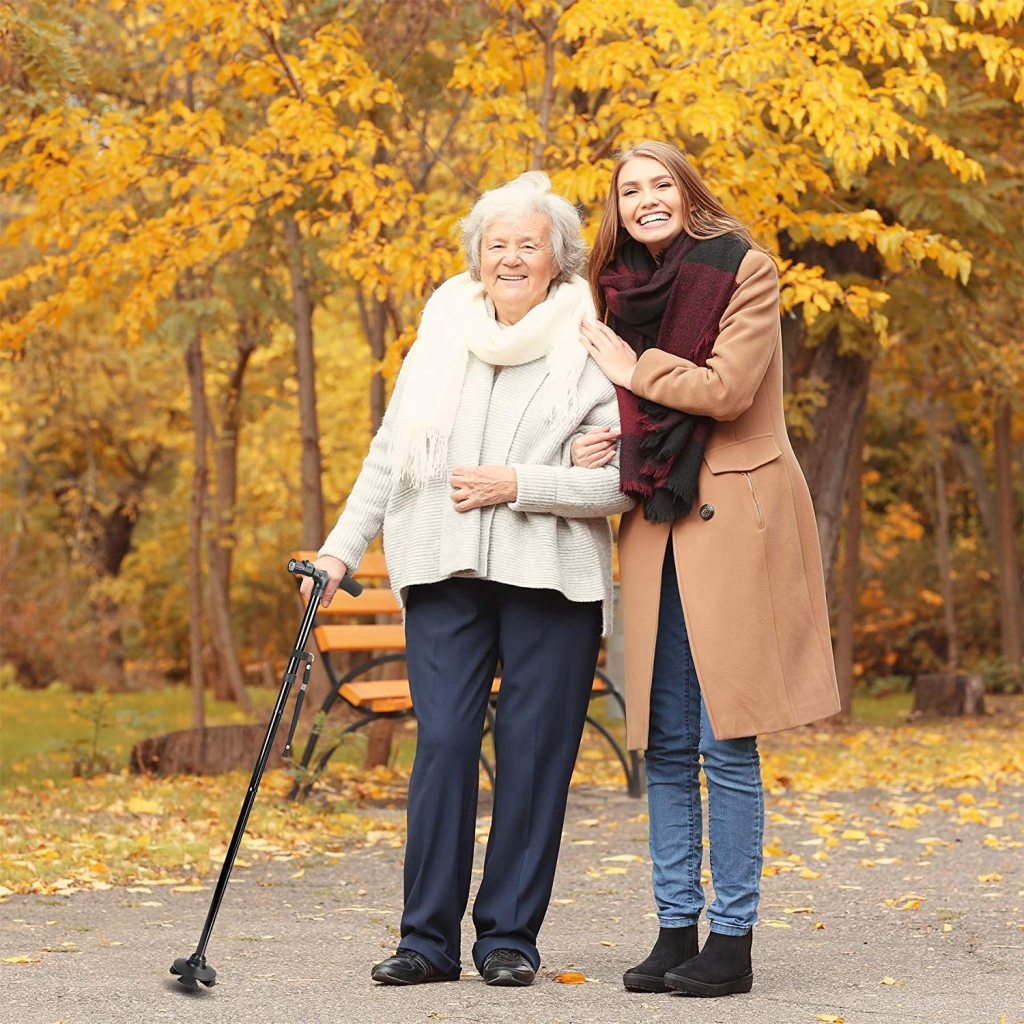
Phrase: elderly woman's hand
x=609 y=351
x=335 y=569
x=595 y=448
x=479 y=486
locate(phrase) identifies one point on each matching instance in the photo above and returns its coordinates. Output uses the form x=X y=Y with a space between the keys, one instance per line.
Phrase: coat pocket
x=743 y=456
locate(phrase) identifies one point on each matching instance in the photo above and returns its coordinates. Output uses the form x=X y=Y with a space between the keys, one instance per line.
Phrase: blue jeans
x=680 y=734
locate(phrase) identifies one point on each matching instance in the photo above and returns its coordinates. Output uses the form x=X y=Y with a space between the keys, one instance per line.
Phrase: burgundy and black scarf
x=675 y=305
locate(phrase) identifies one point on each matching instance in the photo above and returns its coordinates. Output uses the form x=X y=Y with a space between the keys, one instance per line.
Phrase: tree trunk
x=225 y=457
x=223 y=635
x=942 y=550
x=970 y=460
x=220 y=545
x=948 y=694
x=220 y=748
x=194 y=364
x=849 y=592
x=825 y=458
x=302 y=307
x=547 y=90
x=1006 y=546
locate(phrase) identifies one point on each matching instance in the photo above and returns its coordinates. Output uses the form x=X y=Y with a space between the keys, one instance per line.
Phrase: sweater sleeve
x=363 y=515
x=572 y=491
x=747 y=336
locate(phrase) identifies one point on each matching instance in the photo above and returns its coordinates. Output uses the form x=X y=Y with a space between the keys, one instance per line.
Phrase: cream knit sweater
x=554 y=536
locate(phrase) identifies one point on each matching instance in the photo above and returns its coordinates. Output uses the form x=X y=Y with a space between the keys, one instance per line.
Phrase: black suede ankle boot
x=673 y=948
x=722 y=968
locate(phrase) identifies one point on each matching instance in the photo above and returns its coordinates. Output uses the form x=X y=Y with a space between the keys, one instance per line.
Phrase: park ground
x=893 y=891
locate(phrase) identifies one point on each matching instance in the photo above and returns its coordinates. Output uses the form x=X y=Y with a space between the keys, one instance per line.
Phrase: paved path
x=299 y=949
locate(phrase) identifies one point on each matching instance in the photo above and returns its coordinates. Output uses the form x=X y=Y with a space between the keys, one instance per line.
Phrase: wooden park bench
x=370 y=628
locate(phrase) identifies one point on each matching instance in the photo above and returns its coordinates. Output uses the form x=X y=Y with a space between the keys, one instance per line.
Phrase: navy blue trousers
x=457 y=631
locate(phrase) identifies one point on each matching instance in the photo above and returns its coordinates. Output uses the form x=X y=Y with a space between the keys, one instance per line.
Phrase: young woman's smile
x=650 y=203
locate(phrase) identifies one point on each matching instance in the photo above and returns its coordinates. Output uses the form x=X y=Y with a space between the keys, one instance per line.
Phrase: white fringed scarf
x=459 y=319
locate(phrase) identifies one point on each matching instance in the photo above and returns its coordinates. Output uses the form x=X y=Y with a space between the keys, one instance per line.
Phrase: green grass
x=44 y=733
x=888 y=710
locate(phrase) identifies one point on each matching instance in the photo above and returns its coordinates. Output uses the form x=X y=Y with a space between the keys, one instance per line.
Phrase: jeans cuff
x=678 y=922
x=729 y=929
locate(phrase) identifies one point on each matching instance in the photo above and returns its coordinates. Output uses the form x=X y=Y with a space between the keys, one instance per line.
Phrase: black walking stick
x=193 y=970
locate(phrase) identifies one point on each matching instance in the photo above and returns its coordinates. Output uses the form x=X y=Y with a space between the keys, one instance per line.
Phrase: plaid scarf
x=675 y=305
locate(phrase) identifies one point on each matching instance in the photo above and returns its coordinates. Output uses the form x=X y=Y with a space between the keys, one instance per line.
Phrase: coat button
x=706 y=512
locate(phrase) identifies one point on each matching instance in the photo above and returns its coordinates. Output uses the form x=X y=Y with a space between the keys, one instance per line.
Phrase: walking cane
x=193 y=970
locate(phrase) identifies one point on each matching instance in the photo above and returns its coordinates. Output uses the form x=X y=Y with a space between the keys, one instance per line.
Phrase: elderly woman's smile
x=516 y=264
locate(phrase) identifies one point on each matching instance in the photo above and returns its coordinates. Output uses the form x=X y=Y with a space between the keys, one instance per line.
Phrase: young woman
x=726 y=629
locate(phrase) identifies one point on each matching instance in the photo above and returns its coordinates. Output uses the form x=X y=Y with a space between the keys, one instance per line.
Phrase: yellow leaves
x=830 y=1018
x=140 y=805
x=21 y=960
x=887 y=980
x=992 y=876
x=910 y=902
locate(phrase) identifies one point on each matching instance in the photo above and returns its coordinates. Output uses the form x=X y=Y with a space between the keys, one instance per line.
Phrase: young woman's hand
x=609 y=351
x=335 y=569
x=595 y=448
x=479 y=486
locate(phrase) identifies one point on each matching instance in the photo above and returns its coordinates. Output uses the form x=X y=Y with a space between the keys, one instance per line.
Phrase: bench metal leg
x=337 y=682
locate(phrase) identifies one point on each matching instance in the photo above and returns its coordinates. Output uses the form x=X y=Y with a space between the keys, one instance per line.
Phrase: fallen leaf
x=888 y=981
x=140 y=805
x=830 y=1018
x=22 y=960
x=569 y=978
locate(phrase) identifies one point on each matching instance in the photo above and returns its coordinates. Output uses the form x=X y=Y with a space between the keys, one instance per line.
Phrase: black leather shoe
x=407 y=967
x=722 y=968
x=674 y=947
x=507 y=967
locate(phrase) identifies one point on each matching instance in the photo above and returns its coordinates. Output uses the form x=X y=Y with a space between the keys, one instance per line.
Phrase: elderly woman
x=500 y=552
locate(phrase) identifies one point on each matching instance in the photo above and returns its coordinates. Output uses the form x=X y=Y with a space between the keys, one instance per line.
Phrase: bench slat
x=379 y=695
x=386 y=637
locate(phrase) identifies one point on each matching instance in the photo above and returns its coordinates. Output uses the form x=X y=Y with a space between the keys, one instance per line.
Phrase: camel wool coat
x=747 y=556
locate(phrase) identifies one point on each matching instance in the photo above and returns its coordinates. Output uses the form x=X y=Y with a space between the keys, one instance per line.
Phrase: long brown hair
x=703 y=214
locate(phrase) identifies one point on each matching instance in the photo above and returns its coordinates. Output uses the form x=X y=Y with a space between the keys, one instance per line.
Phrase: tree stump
x=209 y=751
x=939 y=693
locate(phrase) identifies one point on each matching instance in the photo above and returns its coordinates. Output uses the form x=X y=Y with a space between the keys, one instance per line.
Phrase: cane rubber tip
x=193 y=972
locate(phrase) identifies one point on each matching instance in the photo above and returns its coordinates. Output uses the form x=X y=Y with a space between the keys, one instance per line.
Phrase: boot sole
x=690 y=987
x=634 y=982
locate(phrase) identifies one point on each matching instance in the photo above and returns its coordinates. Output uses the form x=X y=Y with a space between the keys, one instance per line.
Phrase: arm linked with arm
x=570 y=491
x=748 y=335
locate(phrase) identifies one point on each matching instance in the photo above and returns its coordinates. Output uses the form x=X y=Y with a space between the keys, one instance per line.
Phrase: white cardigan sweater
x=554 y=536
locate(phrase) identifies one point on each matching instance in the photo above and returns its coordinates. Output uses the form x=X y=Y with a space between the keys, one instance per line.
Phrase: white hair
x=522 y=197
